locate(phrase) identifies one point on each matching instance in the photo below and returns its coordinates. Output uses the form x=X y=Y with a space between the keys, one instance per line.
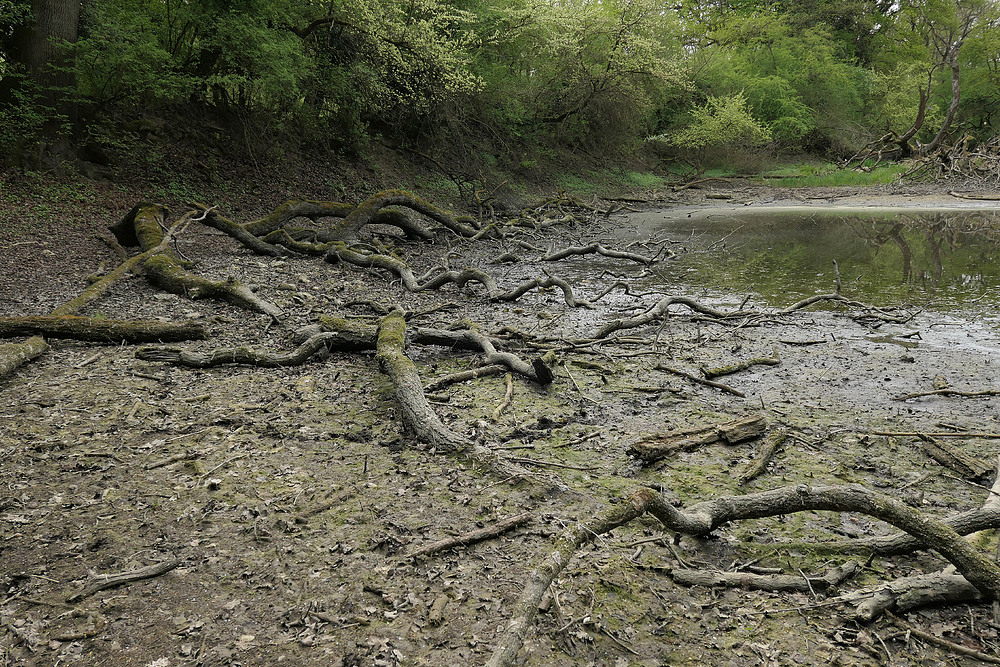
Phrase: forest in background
x=500 y=87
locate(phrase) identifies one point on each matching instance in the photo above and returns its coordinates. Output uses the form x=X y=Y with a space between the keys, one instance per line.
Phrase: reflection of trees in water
x=939 y=233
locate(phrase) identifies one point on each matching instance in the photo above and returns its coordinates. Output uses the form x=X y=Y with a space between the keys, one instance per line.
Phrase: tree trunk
x=37 y=46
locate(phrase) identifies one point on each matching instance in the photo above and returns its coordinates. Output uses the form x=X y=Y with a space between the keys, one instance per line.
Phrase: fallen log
x=765 y=453
x=15 y=355
x=100 y=330
x=778 y=583
x=655 y=447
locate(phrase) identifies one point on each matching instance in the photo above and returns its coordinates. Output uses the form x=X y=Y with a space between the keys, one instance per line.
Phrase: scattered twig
x=949 y=392
x=474 y=536
x=694 y=378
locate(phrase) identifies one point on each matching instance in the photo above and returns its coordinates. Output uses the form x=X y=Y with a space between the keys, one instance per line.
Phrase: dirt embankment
x=290 y=501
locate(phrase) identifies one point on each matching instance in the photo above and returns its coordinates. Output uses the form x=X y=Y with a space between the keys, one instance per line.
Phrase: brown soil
x=294 y=513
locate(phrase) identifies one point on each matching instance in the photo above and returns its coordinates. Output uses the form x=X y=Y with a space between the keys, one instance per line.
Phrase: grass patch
x=828 y=175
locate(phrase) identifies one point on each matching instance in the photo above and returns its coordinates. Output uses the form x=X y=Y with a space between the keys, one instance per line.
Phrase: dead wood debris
x=474 y=536
x=702 y=518
x=718 y=371
x=787 y=583
x=949 y=392
x=657 y=446
x=101 y=582
x=765 y=452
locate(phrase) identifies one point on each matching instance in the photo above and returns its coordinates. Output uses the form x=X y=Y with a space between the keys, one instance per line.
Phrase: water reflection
x=937 y=259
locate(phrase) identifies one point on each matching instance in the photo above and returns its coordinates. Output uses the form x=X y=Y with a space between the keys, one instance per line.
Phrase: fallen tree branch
x=702 y=518
x=474 y=536
x=100 y=330
x=699 y=380
x=949 y=392
x=104 y=581
x=944 y=643
x=778 y=583
x=719 y=371
x=765 y=452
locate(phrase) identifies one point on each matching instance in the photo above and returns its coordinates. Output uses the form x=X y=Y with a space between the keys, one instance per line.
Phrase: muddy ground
x=300 y=499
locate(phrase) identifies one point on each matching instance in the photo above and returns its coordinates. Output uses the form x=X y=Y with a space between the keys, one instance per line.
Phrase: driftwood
x=105 y=581
x=702 y=518
x=719 y=371
x=787 y=583
x=699 y=380
x=955 y=459
x=474 y=536
x=658 y=446
x=768 y=446
x=100 y=330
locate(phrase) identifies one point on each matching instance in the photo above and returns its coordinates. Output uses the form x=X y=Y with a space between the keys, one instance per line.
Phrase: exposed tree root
x=464 y=376
x=597 y=248
x=702 y=518
x=661 y=309
x=719 y=371
x=241 y=355
x=417 y=416
x=467 y=339
x=144 y=226
x=100 y=330
x=340 y=252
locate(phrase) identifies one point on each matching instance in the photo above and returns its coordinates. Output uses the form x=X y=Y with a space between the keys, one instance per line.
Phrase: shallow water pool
x=942 y=259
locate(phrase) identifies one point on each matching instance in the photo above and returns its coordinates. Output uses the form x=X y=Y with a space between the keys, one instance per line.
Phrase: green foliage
x=498 y=84
x=722 y=122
